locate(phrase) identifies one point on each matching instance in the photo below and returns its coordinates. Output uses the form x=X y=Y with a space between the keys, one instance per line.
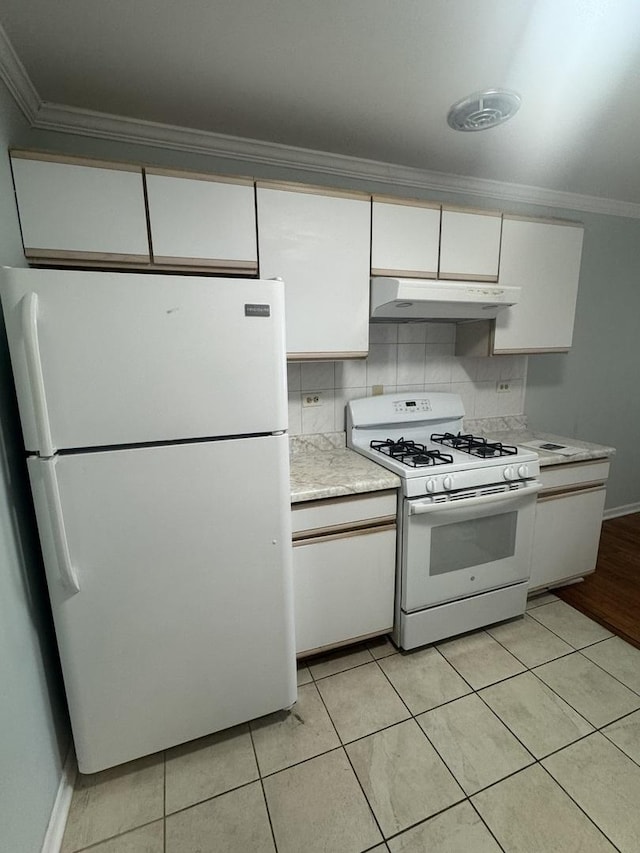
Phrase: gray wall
x=592 y=392
x=33 y=722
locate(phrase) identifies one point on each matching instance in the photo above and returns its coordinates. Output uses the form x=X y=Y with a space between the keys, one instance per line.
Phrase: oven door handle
x=419 y=507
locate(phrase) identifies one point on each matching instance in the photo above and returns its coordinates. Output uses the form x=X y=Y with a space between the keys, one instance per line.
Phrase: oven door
x=462 y=546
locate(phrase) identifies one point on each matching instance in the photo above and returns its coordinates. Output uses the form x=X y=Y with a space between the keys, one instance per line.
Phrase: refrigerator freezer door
x=105 y=359
x=183 y=622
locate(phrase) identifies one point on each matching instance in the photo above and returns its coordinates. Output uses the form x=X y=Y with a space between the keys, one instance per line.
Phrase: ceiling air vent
x=483 y=110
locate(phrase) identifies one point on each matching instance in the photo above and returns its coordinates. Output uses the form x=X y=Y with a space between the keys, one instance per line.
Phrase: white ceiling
x=367 y=78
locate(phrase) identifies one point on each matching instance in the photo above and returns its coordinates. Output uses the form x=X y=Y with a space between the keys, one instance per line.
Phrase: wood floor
x=611 y=596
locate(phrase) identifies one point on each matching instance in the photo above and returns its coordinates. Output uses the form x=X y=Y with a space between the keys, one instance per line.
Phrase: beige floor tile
x=424 y=679
x=605 y=783
x=530 y=813
x=592 y=692
x=318 y=806
x=540 y=599
x=625 y=733
x=535 y=714
x=458 y=830
x=381 y=647
x=303 y=675
x=209 y=766
x=480 y=659
x=288 y=737
x=570 y=625
x=361 y=702
x=476 y=746
x=529 y=641
x=145 y=839
x=618 y=658
x=114 y=801
x=339 y=661
x=402 y=776
x=235 y=822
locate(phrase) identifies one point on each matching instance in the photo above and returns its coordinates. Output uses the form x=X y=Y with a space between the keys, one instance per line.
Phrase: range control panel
x=408 y=407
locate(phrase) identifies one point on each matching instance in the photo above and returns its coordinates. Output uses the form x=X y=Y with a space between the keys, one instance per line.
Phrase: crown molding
x=14 y=74
x=64 y=119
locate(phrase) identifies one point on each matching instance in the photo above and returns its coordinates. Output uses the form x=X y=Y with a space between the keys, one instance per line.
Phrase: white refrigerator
x=154 y=414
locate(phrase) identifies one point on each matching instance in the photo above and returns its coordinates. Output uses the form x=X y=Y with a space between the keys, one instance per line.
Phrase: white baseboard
x=60 y=811
x=617 y=511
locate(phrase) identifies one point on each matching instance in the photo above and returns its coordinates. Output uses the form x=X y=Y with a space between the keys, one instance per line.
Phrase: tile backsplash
x=405 y=357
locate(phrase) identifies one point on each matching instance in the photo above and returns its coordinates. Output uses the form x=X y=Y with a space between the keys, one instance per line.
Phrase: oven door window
x=476 y=542
x=455 y=552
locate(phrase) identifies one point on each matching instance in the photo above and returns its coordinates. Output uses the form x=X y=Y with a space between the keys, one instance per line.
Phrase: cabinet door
x=566 y=537
x=543 y=259
x=343 y=587
x=319 y=245
x=85 y=212
x=201 y=221
x=405 y=239
x=470 y=245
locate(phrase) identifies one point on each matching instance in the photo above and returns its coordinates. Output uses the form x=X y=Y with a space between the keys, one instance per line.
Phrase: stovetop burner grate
x=474 y=445
x=411 y=453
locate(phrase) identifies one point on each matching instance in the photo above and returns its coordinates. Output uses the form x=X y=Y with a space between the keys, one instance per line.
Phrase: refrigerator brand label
x=252 y=309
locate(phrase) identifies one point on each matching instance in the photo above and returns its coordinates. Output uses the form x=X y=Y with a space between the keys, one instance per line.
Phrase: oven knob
x=447 y=482
x=431 y=486
x=508 y=473
x=523 y=471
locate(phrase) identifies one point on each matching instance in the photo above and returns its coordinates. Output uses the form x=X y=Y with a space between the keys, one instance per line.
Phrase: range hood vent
x=414 y=299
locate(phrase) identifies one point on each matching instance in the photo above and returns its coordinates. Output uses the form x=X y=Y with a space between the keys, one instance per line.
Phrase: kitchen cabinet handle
x=344 y=534
x=571 y=492
x=34 y=369
x=68 y=574
x=463 y=503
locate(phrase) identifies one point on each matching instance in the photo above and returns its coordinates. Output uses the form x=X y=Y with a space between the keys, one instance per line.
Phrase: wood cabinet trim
x=405 y=202
x=529 y=351
x=325 y=356
x=73 y=160
x=401 y=273
x=544 y=220
x=344 y=534
x=570 y=491
x=237 y=180
x=312 y=189
x=348 y=527
x=476 y=211
x=207 y=263
x=66 y=256
x=452 y=276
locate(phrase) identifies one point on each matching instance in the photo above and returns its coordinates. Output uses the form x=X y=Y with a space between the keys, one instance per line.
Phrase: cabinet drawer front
x=343 y=588
x=342 y=512
x=574 y=474
x=71 y=208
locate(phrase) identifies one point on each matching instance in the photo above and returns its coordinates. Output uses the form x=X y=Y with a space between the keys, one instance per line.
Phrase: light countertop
x=322 y=467
x=517 y=433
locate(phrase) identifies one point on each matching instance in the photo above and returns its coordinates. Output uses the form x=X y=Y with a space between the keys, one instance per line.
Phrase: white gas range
x=465 y=523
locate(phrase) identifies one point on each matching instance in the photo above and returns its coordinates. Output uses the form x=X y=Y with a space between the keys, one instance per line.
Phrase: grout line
x=577 y=804
x=637 y=693
x=164 y=802
x=264 y=794
x=488 y=828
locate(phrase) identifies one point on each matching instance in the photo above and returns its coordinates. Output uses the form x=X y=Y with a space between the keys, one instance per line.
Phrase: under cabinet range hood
x=413 y=299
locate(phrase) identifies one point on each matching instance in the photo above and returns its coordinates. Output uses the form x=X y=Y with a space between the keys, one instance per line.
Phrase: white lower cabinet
x=568 y=521
x=344 y=571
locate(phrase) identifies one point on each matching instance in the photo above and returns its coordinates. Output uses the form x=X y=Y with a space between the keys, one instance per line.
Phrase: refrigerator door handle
x=68 y=574
x=36 y=377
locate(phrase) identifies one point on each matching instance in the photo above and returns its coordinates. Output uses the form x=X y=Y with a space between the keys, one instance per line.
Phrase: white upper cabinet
x=318 y=242
x=405 y=238
x=84 y=211
x=543 y=259
x=470 y=245
x=202 y=221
